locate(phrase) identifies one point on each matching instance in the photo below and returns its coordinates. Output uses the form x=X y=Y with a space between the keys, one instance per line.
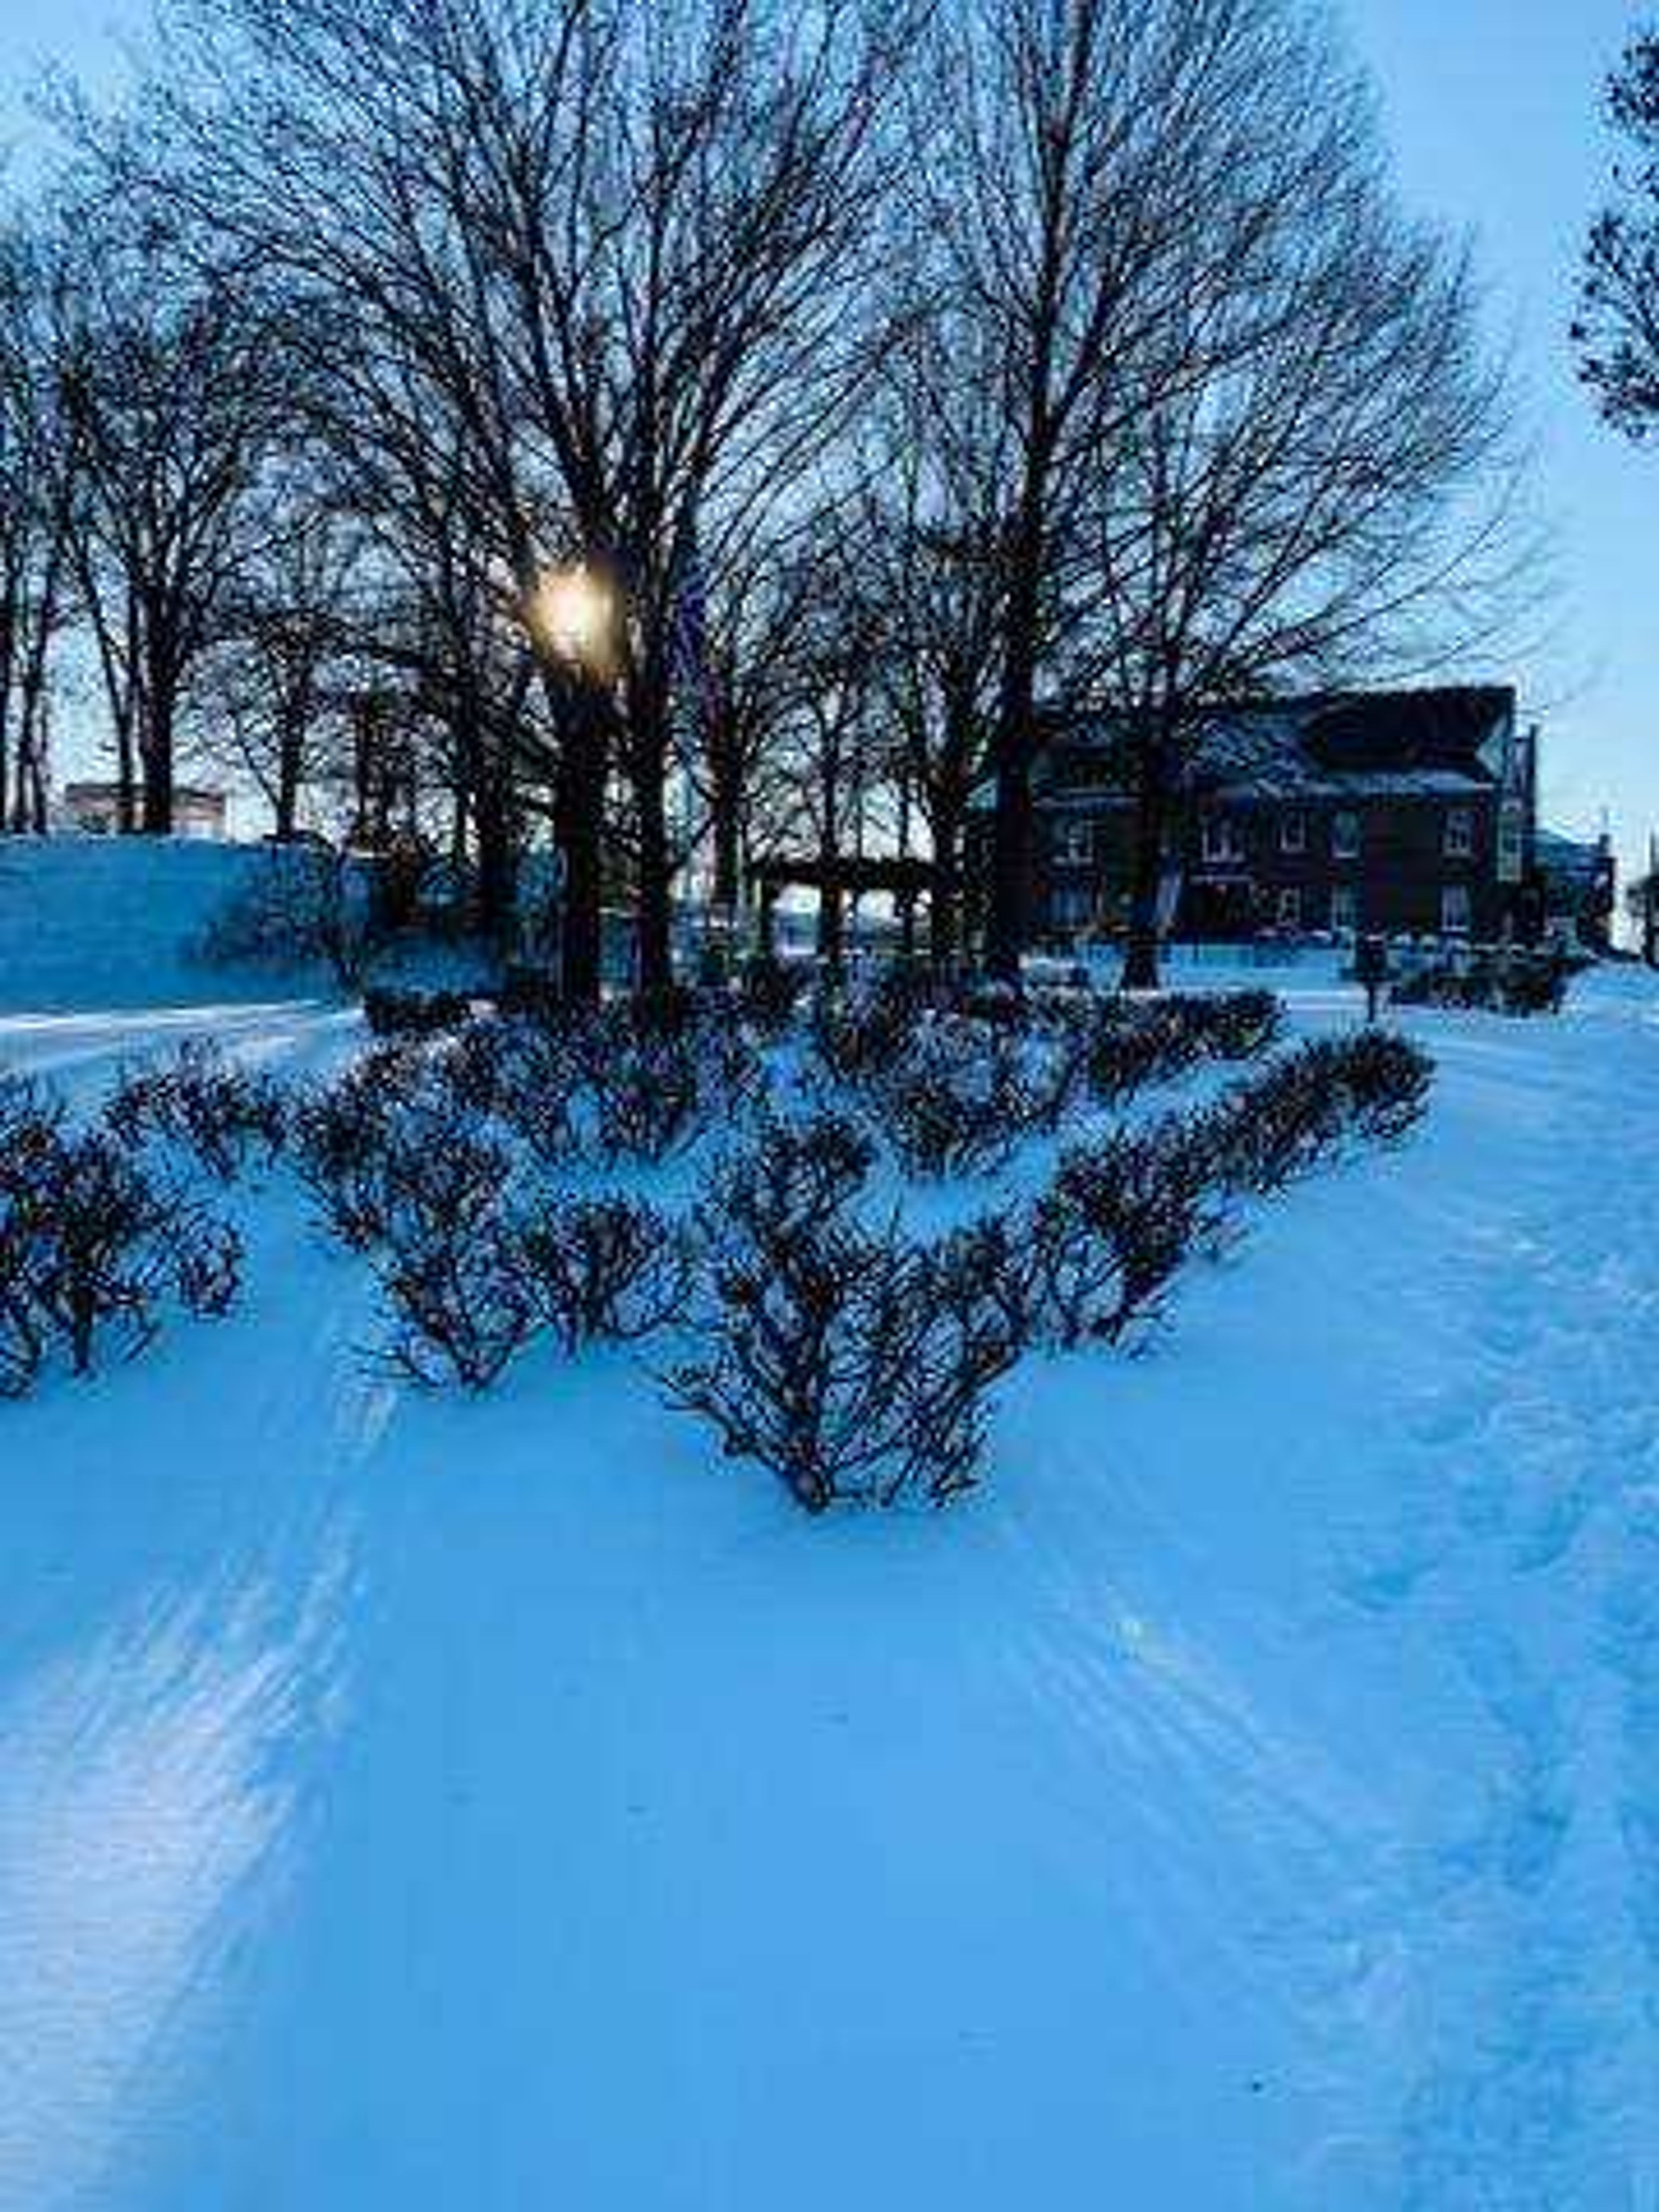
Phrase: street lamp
x=571 y=612
x=571 y=615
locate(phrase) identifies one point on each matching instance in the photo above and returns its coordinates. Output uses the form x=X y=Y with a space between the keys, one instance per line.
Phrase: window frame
x=1074 y=841
x=1352 y=848
x=1345 y=895
x=1221 y=840
x=1457 y=833
x=1293 y=846
x=1458 y=894
x=1071 y=906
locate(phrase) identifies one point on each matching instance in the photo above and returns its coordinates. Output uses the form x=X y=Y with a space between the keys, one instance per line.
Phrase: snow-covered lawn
x=1248 y=1802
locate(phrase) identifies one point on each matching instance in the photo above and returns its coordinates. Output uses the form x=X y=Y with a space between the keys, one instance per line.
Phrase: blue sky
x=1493 y=112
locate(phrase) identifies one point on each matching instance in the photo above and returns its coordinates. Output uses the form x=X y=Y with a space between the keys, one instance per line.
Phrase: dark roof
x=1330 y=744
x=856 y=874
x=1397 y=731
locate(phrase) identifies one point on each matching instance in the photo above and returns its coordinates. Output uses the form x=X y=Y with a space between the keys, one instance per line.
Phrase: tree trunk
x=158 y=793
x=650 y=740
x=155 y=746
x=1140 y=955
x=728 y=852
x=492 y=825
x=586 y=715
x=1008 y=923
x=287 y=809
x=831 y=941
x=39 y=759
x=127 y=779
x=656 y=909
x=944 y=903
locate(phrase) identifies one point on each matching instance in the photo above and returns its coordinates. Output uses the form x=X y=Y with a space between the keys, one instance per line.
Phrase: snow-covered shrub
x=460 y=1302
x=1510 y=983
x=302 y=904
x=797 y=1174
x=1385 y=1080
x=1236 y=1024
x=959 y=1101
x=1101 y=1245
x=92 y=1243
x=438 y=1171
x=769 y=992
x=851 y=1362
x=732 y=1075
x=1129 y=1045
x=1301 y=1108
x=225 y=1115
x=605 y=1269
x=471 y=1288
x=1111 y=1048
x=31 y=1137
x=341 y=1131
x=406 y=1014
x=531 y=994
x=859 y=1029
x=380 y=1149
x=666 y=1009
x=645 y=1085
x=1534 y=987
x=526 y=1075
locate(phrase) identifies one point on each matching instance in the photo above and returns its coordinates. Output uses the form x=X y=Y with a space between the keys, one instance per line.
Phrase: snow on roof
x=1433 y=744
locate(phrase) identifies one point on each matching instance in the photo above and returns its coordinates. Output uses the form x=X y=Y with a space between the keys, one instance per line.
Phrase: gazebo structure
x=837 y=878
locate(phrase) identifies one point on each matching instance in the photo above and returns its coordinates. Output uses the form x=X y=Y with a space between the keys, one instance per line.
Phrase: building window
x=1345 y=908
x=1455 y=910
x=1293 y=832
x=1290 y=907
x=1513 y=843
x=1460 y=833
x=1345 y=836
x=1071 y=906
x=1222 y=839
x=1074 y=844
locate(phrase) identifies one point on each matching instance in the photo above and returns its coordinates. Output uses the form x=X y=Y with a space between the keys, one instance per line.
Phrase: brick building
x=1409 y=813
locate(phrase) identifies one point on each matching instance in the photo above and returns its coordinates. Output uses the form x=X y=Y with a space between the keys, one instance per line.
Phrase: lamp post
x=571 y=613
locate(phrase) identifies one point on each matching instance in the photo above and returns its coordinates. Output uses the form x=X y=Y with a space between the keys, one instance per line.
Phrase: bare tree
x=605 y=253
x=38 y=464
x=1617 y=331
x=170 y=391
x=924 y=565
x=1105 y=171
x=284 y=626
x=1321 y=484
x=758 y=618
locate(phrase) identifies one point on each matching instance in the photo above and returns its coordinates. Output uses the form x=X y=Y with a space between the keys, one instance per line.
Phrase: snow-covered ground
x=1249 y=1802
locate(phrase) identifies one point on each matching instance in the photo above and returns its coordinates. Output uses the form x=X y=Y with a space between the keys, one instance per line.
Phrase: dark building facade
x=1580 y=883
x=1414 y=813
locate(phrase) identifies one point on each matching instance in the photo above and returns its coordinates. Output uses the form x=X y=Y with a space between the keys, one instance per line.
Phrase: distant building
x=95 y=809
x=1579 y=883
x=1406 y=812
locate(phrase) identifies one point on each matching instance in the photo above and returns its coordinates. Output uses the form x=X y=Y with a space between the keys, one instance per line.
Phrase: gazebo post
x=907 y=919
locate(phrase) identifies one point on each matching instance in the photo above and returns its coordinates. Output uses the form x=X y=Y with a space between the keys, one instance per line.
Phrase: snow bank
x=108 y=922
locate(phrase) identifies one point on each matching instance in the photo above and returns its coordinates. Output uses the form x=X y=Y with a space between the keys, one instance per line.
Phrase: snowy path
x=1250 y=1804
x=1532 y=1553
